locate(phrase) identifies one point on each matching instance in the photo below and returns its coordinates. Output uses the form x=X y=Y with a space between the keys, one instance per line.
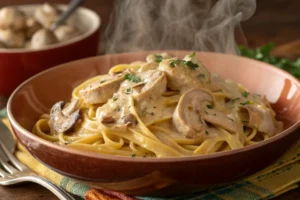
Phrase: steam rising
x=176 y=24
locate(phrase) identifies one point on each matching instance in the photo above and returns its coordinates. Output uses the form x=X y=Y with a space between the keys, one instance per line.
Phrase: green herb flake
x=206 y=132
x=201 y=76
x=192 y=55
x=174 y=63
x=158 y=58
x=245 y=94
x=102 y=81
x=132 y=78
x=115 y=98
x=246 y=122
x=128 y=90
x=133 y=155
x=245 y=103
x=191 y=65
x=235 y=99
x=210 y=106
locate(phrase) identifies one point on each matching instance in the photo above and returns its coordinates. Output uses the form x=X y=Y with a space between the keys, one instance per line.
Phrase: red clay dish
x=17 y=65
x=152 y=176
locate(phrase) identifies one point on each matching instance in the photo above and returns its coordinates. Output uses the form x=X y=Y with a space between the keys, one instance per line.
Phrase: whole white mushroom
x=32 y=26
x=12 y=39
x=47 y=14
x=66 y=32
x=42 y=38
x=12 y=18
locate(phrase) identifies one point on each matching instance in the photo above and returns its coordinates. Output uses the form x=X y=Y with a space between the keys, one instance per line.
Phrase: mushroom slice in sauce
x=259 y=117
x=63 y=120
x=186 y=117
x=221 y=119
x=155 y=84
x=129 y=119
x=100 y=91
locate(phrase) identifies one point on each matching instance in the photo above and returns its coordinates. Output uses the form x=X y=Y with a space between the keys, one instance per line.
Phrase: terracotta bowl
x=152 y=176
x=17 y=65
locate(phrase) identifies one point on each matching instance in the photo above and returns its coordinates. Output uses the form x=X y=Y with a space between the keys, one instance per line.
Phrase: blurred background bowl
x=140 y=176
x=16 y=65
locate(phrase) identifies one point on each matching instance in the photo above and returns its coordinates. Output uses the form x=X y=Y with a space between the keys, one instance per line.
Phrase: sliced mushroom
x=155 y=85
x=60 y=122
x=220 y=119
x=108 y=120
x=12 y=39
x=66 y=32
x=186 y=117
x=129 y=119
x=100 y=91
x=259 y=117
x=12 y=18
x=43 y=38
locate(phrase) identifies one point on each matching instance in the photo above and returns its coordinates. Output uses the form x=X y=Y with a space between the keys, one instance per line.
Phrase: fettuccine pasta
x=163 y=107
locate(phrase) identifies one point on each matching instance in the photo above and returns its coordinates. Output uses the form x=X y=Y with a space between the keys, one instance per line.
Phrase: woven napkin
x=282 y=176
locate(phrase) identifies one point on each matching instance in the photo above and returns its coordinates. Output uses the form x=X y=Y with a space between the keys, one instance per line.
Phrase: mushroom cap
x=60 y=122
x=47 y=14
x=66 y=32
x=42 y=38
x=12 y=39
x=32 y=26
x=187 y=115
x=12 y=18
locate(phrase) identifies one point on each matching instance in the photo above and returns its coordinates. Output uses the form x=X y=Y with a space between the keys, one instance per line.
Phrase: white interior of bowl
x=86 y=20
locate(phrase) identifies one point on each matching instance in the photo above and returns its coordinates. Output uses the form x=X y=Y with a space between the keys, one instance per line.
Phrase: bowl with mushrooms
x=28 y=46
x=113 y=103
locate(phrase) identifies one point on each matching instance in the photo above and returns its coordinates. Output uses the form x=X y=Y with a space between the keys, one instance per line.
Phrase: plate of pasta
x=173 y=117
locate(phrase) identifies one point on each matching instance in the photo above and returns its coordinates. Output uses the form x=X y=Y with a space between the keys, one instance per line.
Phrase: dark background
x=275 y=20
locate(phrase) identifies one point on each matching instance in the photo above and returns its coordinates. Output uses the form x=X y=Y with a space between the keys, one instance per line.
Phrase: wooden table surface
x=274 y=20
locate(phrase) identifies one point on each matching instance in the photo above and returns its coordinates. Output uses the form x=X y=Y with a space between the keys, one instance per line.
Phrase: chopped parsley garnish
x=245 y=94
x=191 y=65
x=174 y=63
x=128 y=90
x=244 y=121
x=158 y=58
x=206 y=132
x=210 y=106
x=245 y=103
x=235 y=99
x=192 y=55
x=132 y=78
x=133 y=155
x=201 y=76
x=102 y=81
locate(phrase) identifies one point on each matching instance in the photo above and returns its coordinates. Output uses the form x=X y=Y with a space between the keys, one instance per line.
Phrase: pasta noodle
x=163 y=107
